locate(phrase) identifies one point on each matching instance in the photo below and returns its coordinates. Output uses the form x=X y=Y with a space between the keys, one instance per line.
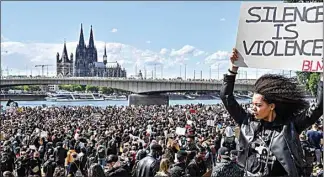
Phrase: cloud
x=21 y=57
x=185 y=53
x=164 y=51
x=217 y=56
x=29 y=54
x=148 y=42
x=222 y=19
x=114 y=30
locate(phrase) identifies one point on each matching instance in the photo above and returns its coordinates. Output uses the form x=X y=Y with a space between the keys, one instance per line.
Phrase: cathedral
x=86 y=62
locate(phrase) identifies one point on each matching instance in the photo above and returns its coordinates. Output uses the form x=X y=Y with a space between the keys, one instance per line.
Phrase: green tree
x=103 y=90
x=65 y=87
x=17 y=88
x=313 y=83
x=106 y=90
x=35 y=88
x=91 y=88
x=26 y=88
x=60 y=87
x=303 y=77
x=76 y=88
x=83 y=87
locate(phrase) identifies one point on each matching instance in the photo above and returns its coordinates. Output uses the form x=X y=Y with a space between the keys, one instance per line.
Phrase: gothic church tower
x=64 y=65
x=85 y=56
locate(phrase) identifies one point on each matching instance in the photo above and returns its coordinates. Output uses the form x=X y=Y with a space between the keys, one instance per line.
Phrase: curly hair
x=283 y=92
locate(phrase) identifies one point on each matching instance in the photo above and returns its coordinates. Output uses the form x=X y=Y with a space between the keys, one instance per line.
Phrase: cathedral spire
x=105 y=56
x=64 y=57
x=105 y=53
x=91 y=42
x=81 y=39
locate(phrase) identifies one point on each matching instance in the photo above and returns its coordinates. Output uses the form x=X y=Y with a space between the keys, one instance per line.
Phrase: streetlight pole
x=154 y=71
x=218 y=71
x=194 y=74
x=144 y=72
x=161 y=71
x=210 y=72
x=185 y=72
x=180 y=71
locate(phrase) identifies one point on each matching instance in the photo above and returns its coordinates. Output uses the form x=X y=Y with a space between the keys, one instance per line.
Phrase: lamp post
x=161 y=71
x=185 y=72
x=218 y=71
x=154 y=71
x=210 y=70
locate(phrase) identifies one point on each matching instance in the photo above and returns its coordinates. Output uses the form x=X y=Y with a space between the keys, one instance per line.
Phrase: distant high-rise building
x=86 y=61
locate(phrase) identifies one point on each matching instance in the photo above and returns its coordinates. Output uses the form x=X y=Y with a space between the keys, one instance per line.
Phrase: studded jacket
x=285 y=143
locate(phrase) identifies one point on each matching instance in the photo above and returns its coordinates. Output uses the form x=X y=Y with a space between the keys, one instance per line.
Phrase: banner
x=281 y=36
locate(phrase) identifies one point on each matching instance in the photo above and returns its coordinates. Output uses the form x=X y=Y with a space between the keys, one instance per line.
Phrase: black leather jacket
x=178 y=170
x=285 y=143
x=147 y=167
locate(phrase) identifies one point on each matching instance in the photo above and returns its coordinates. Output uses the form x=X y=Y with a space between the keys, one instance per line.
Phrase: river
x=113 y=103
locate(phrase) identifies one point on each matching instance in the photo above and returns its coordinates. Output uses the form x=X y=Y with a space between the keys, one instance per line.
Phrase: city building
x=53 y=88
x=86 y=61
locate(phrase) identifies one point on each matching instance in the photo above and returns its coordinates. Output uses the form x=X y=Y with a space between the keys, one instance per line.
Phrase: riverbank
x=41 y=97
x=22 y=97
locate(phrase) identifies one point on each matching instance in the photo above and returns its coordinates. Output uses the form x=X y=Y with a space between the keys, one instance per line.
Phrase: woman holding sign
x=268 y=142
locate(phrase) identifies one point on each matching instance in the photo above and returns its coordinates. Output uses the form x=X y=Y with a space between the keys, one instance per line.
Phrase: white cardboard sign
x=210 y=123
x=180 y=131
x=281 y=36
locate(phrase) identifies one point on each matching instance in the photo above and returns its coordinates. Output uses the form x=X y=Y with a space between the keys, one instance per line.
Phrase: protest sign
x=281 y=36
x=43 y=133
x=180 y=131
x=210 y=123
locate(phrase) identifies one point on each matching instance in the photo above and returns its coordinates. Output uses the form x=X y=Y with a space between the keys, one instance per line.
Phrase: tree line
x=91 y=88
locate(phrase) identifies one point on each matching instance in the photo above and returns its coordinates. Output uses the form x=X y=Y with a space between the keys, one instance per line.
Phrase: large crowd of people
x=137 y=141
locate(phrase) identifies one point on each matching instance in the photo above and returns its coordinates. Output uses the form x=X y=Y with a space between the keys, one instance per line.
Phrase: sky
x=168 y=36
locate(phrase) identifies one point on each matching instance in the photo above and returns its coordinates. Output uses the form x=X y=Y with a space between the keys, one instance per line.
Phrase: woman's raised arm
x=226 y=93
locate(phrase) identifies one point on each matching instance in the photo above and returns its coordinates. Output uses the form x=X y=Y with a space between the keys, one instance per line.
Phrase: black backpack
x=229 y=143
